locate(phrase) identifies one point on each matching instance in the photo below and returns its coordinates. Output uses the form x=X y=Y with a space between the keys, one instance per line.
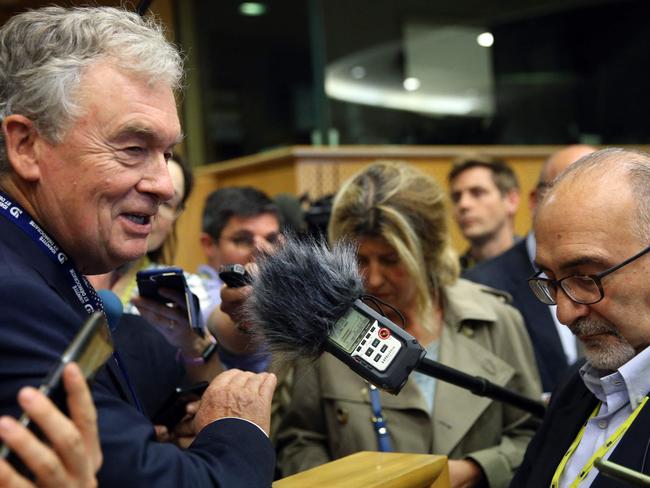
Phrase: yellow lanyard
x=555 y=482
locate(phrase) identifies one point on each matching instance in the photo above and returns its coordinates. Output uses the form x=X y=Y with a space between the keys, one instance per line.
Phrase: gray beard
x=603 y=357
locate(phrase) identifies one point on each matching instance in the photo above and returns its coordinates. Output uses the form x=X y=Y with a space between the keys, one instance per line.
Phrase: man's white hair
x=44 y=52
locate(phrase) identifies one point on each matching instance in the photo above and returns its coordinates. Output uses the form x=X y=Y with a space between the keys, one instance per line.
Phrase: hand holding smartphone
x=90 y=349
x=173 y=409
x=151 y=280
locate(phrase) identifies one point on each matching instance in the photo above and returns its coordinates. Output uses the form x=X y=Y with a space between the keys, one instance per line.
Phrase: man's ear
x=512 y=202
x=21 y=140
x=210 y=249
x=532 y=200
x=207 y=243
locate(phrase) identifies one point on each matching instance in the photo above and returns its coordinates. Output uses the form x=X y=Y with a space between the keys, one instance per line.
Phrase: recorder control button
x=375 y=343
x=369 y=352
x=384 y=333
x=384 y=347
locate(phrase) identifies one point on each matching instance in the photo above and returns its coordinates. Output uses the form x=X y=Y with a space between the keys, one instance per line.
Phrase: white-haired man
x=89 y=120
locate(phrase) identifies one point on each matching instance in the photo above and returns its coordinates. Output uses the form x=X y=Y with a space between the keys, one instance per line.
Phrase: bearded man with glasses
x=593 y=230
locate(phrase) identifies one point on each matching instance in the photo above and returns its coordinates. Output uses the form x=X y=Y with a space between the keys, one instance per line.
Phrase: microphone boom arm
x=622 y=473
x=480 y=386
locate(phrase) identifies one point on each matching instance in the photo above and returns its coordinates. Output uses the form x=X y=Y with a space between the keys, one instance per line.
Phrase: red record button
x=384 y=333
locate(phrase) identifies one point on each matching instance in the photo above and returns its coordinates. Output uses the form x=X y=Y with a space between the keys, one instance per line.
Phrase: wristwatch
x=205 y=355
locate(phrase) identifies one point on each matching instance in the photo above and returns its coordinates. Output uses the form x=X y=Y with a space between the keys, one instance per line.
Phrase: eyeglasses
x=583 y=289
x=247 y=241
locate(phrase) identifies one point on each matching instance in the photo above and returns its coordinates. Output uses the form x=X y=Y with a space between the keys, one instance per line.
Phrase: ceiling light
x=252 y=9
x=358 y=72
x=411 y=84
x=486 y=39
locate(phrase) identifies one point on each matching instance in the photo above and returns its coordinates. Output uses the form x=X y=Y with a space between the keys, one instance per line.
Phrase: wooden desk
x=374 y=470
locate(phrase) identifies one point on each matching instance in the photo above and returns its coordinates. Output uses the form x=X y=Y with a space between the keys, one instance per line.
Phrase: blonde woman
x=397 y=217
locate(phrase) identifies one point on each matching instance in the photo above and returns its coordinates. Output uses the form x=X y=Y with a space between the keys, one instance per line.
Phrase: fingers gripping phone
x=90 y=349
x=151 y=280
x=173 y=409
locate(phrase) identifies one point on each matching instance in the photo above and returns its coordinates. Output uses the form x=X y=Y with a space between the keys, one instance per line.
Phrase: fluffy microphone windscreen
x=299 y=293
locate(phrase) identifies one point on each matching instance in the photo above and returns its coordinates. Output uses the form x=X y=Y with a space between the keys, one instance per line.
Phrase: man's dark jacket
x=569 y=410
x=39 y=315
x=509 y=272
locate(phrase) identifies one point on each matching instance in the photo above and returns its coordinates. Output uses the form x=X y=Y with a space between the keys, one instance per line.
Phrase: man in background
x=237 y=223
x=485 y=198
x=554 y=345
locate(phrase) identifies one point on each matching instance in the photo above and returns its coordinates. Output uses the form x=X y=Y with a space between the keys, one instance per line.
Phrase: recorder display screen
x=349 y=330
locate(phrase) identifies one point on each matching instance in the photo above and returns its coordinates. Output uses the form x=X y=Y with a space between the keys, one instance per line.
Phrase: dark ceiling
x=478 y=10
x=12 y=7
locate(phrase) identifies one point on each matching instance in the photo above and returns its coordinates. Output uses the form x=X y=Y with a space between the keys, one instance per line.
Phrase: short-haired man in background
x=485 y=198
x=554 y=345
x=237 y=223
x=593 y=230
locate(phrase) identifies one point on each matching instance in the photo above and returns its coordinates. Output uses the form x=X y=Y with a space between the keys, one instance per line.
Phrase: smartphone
x=90 y=349
x=234 y=275
x=151 y=280
x=173 y=409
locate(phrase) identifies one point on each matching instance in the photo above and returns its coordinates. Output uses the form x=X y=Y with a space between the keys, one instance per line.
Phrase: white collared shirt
x=212 y=284
x=620 y=393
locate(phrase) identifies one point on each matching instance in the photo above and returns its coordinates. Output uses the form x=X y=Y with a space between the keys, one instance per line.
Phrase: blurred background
x=283 y=72
x=328 y=79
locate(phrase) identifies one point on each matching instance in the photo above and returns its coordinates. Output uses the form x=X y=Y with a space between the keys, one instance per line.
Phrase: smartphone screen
x=151 y=280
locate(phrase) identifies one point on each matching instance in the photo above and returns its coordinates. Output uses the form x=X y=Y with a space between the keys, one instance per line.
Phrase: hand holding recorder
x=235 y=293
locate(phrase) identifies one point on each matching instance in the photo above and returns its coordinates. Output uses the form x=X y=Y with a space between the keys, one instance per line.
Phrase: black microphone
x=305 y=300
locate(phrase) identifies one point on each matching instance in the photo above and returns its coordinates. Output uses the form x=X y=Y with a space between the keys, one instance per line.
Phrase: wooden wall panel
x=318 y=171
x=273 y=172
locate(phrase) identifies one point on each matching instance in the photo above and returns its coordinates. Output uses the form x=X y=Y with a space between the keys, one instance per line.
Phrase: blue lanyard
x=378 y=422
x=81 y=287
